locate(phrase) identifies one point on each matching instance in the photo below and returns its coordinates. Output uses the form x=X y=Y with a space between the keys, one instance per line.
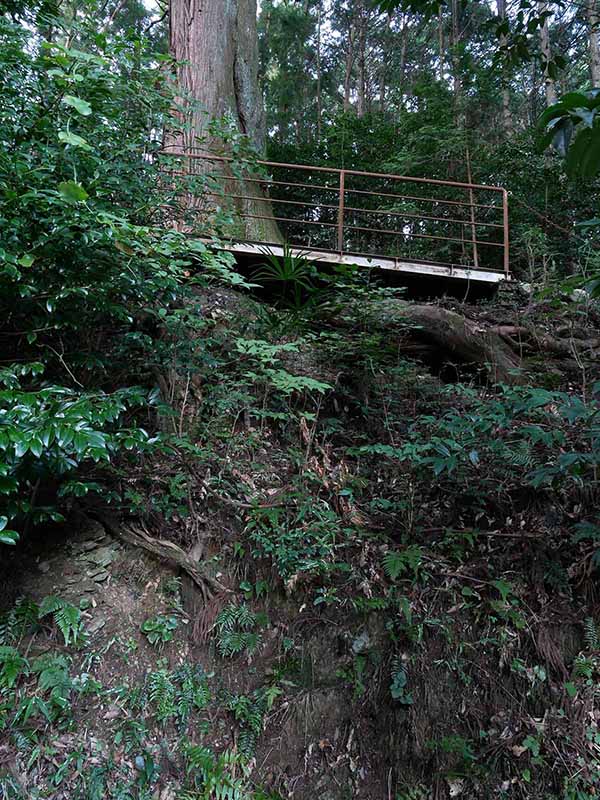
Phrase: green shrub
x=90 y=274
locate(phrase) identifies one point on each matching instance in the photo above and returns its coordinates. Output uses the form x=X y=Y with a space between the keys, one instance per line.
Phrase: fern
x=214 y=776
x=66 y=617
x=21 y=617
x=396 y=563
x=590 y=634
x=12 y=664
x=399 y=680
x=53 y=678
x=234 y=631
x=192 y=692
x=174 y=695
x=583 y=667
x=249 y=712
x=162 y=694
x=132 y=734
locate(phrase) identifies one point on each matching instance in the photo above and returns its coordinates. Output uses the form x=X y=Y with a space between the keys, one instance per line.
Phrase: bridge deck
x=430 y=270
x=411 y=225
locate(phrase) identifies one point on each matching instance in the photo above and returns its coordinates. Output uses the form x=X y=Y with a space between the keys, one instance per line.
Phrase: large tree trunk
x=215 y=45
x=593 y=18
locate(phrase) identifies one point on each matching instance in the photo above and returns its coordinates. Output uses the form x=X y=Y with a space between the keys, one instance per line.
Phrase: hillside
x=390 y=584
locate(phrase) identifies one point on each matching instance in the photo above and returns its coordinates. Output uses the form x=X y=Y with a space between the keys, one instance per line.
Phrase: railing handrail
x=338 y=171
x=342 y=189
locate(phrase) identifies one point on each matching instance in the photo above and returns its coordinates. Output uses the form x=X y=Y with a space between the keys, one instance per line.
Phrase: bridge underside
x=251 y=251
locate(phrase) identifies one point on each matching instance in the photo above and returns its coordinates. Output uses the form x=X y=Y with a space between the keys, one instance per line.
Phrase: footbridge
x=409 y=225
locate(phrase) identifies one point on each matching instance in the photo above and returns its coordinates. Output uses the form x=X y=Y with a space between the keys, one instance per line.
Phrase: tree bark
x=459 y=110
x=319 y=70
x=361 y=107
x=215 y=45
x=507 y=120
x=545 y=47
x=431 y=328
x=463 y=338
x=440 y=31
x=593 y=18
x=350 y=58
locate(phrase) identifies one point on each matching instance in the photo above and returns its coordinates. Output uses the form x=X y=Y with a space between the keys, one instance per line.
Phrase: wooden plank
x=394 y=264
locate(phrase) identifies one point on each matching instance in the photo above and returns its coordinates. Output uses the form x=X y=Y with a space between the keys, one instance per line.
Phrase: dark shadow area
x=417 y=287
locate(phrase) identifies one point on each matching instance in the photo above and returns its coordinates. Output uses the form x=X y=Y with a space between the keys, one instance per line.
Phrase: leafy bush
x=89 y=272
x=305 y=539
x=495 y=443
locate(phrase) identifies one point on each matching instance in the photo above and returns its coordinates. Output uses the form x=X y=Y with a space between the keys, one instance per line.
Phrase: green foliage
x=298 y=539
x=235 y=631
x=176 y=694
x=399 y=681
x=571 y=129
x=54 y=680
x=88 y=271
x=18 y=620
x=397 y=563
x=160 y=629
x=266 y=357
x=519 y=434
x=12 y=663
x=590 y=634
x=65 y=616
x=249 y=712
x=292 y=277
x=215 y=775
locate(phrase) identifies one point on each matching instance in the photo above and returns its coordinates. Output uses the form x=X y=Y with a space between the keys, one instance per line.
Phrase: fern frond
x=590 y=634
x=66 y=617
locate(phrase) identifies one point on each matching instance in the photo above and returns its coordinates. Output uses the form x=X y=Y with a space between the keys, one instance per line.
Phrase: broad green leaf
x=590 y=159
x=80 y=105
x=73 y=139
x=72 y=192
x=9 y=537
x=575 y=100
x=26 y=260
x=577 y=151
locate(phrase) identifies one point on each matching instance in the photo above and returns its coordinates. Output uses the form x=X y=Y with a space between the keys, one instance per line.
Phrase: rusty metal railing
x=354 y=213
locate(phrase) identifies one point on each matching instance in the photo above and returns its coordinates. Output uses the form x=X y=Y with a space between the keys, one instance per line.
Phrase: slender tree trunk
x=593 y=18
x=507 y=119
x=534 y=95
x=403 y=50
x=383 y=73
x=216 y=48
x=362 y=62
x=350 y=58
x=319 y=69
x=441 y=43
x=549 y=82
x=456 y=66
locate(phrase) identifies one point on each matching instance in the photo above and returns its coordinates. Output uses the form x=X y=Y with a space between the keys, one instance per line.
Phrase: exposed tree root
x=464 y=338
x=169 y=552
x=503 y=349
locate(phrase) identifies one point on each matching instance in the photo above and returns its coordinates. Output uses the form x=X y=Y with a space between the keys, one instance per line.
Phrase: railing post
x=506 y=233
x=472 y=211
x=340 y=236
